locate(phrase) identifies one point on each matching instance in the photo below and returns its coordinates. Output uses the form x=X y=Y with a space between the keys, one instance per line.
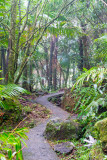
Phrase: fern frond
x=12 y=90
x=9 y=92
x=95 y=74
x=93 y=106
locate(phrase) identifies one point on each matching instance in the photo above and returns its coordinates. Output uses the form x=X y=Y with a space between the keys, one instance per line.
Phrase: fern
x=94 y=106
x=90 y=98
x=9 y=92
x=97 y=75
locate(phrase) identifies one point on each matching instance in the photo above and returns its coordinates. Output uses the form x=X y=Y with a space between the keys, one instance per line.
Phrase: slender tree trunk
x=55 y=65
x=60 y=79
x=80 y=65
x=30 y=76
x=47 y=65
x=67 y=74
x=86 y=54
x=50 y=64
x=42 y=74
x=73 y=77
x=0 y=63
x=25 y=78
x=3 y=62
x=37 y=69
x=11 y=63
x=85 y=47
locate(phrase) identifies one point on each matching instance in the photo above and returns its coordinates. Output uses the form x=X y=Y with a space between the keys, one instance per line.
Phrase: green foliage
x=10 y=144
x=90 y=96
x=95 y=152
x=10 y=141
x=8 y=95
x=100 y=46
x=96 y=75
x=27 y=109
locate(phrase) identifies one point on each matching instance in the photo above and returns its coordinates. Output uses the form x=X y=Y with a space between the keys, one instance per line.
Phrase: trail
x=38 y=148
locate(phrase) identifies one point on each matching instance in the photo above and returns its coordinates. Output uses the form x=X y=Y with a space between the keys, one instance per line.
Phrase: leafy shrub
x=100 y=47
x=9 y=94
x=10 y=144
x=10 y=141
x=90 y=93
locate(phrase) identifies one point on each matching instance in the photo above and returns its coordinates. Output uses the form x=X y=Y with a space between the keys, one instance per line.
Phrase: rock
x=64 y=148
x=58 y=129
x=55 y=120
x=51 y=128
x=101 y=127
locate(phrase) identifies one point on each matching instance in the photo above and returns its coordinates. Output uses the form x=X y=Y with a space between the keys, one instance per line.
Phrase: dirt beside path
x=38 y=148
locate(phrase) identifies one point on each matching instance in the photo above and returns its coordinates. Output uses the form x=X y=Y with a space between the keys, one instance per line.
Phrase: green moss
x=101 y=127
x=51 y=131
x=96 y=152
x=69 y=130
x=62 y=130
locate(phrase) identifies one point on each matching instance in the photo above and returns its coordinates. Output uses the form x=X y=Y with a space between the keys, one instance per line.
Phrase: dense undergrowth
x=90 y=93
x=10 y=141
x=18 y=113
x=88 y=99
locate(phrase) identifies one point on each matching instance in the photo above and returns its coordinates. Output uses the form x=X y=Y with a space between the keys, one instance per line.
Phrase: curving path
x=38 y=148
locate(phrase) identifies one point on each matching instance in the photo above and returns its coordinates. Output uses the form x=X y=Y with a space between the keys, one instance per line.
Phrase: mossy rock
x=101 y=127
x=96 y=153
x=52 y=128
x=69 y=130
x=59 y=130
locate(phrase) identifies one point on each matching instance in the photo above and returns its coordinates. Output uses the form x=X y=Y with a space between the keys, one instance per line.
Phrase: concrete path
x=38 y=148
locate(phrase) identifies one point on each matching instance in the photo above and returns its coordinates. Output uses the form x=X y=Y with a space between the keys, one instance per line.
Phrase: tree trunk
x=67 y=74
x=73 y=77
x=3 y=62
x=86 y=55
x=11 y=63
x=80 y=65
x=30 y=76
x=55 y=65
x=60 y=79
x=47 y=65
x=25 y=78
x=0 y=65
x=42 y=74
x=85 y=47
x=50 y=64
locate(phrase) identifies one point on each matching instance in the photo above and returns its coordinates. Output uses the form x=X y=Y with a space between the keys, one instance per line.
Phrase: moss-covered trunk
x=12 y=45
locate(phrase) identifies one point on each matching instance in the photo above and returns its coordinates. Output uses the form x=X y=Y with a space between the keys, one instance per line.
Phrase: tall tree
x=12 y=44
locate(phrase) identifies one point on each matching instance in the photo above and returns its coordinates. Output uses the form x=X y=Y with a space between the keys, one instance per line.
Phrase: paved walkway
x=38 y=148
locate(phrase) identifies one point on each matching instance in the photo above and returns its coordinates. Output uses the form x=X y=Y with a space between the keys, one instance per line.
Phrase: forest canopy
x=54 y=39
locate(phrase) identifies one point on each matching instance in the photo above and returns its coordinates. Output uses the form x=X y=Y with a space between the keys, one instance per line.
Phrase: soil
x=31 y=115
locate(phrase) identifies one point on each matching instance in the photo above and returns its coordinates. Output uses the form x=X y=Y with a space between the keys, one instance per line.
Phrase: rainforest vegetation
x=48 y=46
